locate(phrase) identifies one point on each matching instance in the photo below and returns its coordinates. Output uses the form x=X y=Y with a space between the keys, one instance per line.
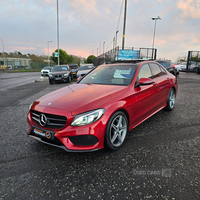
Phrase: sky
x=85 y=25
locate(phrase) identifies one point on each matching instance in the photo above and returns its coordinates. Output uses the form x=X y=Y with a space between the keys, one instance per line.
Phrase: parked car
x=167 y=65
x=84 y=69
x=74 y=69
x=45 y=71
x=198 y=68
x=100 y=109
x=60 y=73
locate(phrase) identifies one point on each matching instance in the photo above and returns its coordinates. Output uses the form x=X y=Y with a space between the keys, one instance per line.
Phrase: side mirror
x=145 y=81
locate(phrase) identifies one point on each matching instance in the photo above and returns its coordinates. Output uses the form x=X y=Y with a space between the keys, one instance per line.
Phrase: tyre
x=116 y=131
x=171 y=100
x=50 y=82
x=195 y=70
x=69 y=79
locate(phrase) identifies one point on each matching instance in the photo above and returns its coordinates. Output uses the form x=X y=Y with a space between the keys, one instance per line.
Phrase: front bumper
x=59 y=79
x=74 y=139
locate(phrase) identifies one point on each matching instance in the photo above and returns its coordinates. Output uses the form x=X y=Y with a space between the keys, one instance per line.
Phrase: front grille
x=53 y=121
x=58 y=76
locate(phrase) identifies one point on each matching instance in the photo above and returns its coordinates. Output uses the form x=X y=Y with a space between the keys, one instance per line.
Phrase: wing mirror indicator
x=145 y=81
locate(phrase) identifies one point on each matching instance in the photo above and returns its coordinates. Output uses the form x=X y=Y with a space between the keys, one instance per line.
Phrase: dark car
x=198 y=69
x=60 y=73
x=100 y=109
x=74 y=69
x=167 y=65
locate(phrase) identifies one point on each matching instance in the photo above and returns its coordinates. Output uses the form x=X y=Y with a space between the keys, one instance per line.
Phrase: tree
x=64 y=57
x=182 y=59
x=90 y=58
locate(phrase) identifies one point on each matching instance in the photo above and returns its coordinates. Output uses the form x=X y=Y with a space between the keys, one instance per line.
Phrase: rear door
x=161 y=80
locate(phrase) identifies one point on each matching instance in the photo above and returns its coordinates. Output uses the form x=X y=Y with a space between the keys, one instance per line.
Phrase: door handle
x=154 y=83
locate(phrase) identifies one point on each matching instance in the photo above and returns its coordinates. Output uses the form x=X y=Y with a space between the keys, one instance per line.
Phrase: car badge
x=49 y=104
x=43 y=120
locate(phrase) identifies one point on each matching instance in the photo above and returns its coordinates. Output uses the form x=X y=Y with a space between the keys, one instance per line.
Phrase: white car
x=181 y=67
x=45 y=71
x=84 y=69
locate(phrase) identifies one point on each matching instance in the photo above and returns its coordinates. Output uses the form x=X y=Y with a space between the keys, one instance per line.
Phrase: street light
x=103 y=49
x=155 y=18
x=97 y=51
x=3 y=53
x=116 y=39
x=48 y=52
x=58 y=34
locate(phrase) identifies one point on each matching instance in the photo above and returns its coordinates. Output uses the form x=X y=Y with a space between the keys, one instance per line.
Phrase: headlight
x=65 y=74
x=88 y=117
x=50 y=75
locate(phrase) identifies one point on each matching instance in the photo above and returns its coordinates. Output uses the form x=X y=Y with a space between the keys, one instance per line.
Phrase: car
x=45 y=71
x=191 y=67
x=167 y=65
x=60 y=73
x=100 y=109
x=198 y=68
x=74 y=69
x=84 y=69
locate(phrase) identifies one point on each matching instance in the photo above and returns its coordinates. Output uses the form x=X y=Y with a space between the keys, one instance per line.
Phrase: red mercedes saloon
x=100 y=109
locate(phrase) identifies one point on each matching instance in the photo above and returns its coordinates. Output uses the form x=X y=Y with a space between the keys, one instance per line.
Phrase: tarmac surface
x=160 y=158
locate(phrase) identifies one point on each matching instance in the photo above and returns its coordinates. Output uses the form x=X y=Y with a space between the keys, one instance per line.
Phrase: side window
x=156 y=70
x=145 y=72
x=163 y=71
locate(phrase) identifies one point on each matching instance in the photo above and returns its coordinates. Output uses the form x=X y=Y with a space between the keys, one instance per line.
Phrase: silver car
x=84 y=69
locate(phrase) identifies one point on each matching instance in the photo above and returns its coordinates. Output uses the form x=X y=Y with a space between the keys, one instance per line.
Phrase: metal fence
x=116 y=54
x=193 y=61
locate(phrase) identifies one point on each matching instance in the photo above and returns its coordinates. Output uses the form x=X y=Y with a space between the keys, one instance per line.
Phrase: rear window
x=73 y=66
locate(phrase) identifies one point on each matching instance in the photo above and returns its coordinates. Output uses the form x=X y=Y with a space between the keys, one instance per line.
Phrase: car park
x=45 y=71
x=74 y=69
x=84 y=69
x=100 y=109
x=167 y=65
x=60 y=73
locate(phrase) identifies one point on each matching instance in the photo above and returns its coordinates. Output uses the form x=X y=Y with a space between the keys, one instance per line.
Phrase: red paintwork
x=139 y=103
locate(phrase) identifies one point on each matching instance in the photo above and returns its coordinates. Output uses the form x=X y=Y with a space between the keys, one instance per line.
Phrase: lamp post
x=48 y=52
x=97 y=51
x=58 y=34
x=123 y=39
x=116 y=39
x=3 y=53
x=154 y=18
x=103 y=50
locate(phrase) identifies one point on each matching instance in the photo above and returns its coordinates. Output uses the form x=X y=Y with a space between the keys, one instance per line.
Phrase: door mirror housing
x=145 y=81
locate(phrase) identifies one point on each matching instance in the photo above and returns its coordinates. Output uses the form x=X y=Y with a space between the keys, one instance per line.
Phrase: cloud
x=190 y=8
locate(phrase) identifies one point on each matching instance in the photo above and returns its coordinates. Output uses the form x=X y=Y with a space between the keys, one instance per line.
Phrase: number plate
x=58 y=78
x=43 y=133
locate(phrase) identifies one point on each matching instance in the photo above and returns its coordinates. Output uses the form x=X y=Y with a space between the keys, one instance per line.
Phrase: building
x=14 y=63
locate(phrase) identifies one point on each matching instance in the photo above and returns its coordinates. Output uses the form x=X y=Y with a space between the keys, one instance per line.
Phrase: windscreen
x=110 y=75
x=59 y=68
